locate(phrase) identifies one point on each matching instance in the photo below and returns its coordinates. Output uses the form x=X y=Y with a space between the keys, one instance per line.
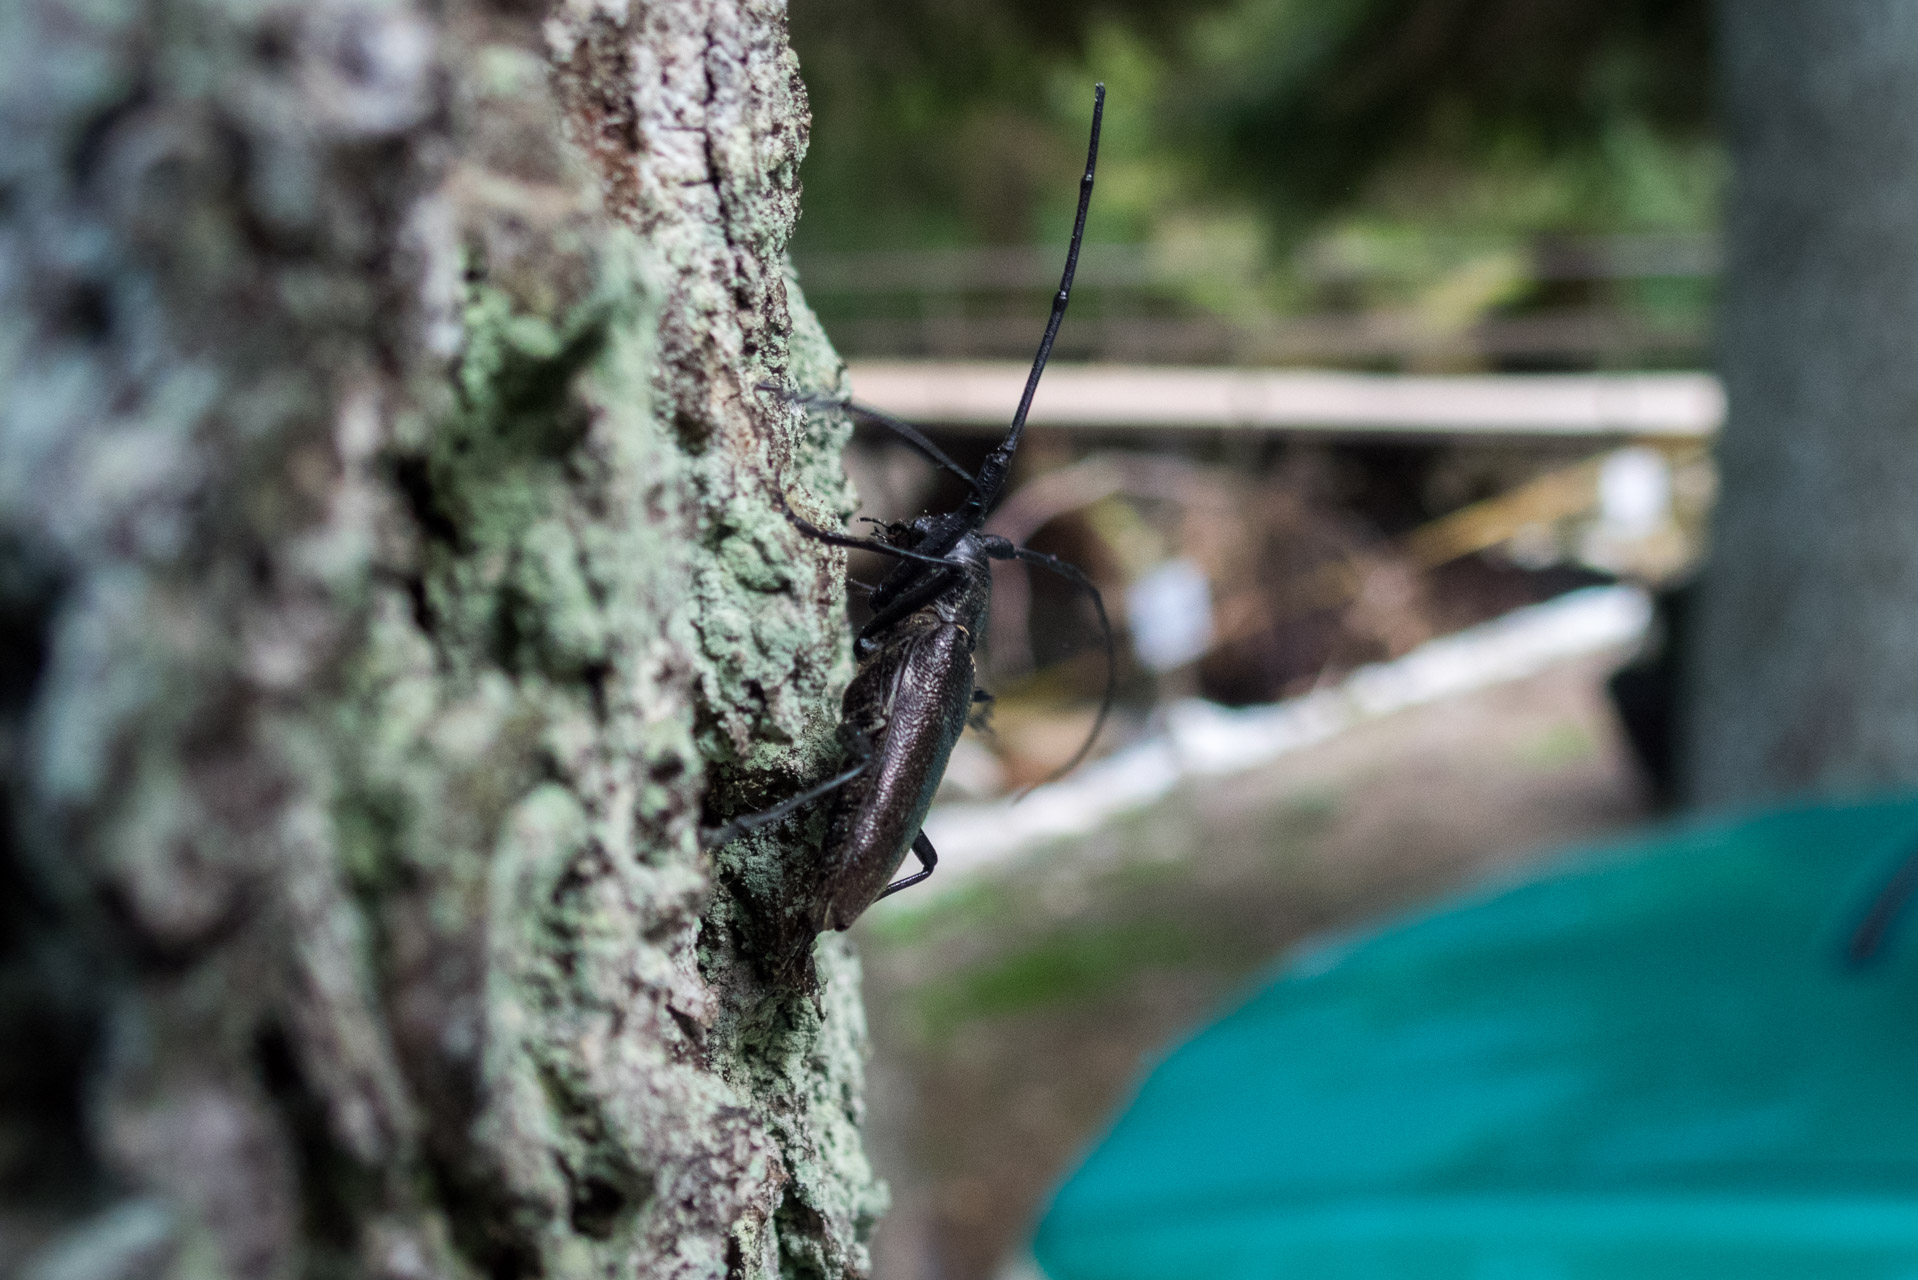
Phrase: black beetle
x=913 y=691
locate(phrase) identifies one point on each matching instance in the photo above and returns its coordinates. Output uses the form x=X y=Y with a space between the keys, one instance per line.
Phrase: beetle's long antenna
x=998 y=463
x=1065 y=280
x=1004 y=549
x=904 y=430
x=911 y=435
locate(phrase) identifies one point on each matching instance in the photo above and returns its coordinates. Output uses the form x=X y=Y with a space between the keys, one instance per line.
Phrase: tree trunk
x=1806 y=662
x=389 y=566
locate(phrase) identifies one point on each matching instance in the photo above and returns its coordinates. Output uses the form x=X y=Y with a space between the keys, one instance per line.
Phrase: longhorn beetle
x=913 y=693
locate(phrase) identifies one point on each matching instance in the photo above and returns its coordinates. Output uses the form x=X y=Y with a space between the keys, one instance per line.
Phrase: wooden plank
x=1578 y=336
x=983 y=395
x=1006 y=268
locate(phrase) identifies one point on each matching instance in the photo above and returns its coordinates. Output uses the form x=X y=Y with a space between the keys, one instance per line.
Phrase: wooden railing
x=1561 y=303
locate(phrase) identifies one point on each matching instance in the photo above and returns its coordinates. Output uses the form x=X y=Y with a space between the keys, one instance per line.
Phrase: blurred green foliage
x=1069 y=965
x=1239 y=129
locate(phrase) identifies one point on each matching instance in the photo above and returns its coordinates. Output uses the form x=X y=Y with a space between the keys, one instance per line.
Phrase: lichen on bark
x=389 y=570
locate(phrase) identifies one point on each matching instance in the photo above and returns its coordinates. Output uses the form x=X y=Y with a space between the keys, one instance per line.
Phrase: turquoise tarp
x=1655 y=1062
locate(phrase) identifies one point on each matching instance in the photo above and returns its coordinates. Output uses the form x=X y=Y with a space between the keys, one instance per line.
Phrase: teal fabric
x=1653 y=1062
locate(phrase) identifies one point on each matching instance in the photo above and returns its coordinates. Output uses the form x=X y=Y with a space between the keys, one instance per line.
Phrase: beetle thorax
x=966 y=604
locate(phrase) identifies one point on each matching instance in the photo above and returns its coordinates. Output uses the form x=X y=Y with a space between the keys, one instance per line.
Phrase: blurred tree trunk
x=388 y=569
x=1806 y=657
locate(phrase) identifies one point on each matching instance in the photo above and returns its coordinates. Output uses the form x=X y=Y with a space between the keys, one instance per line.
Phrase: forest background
x=1256 y=148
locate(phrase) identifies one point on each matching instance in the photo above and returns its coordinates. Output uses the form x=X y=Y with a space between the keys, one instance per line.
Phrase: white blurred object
x=1635 y=534
x=1169 y=611
x=1535 y=546
x=1635 y=492
x=1021 y=1266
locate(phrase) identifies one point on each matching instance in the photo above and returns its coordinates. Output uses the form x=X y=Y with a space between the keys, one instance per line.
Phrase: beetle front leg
x=827 y=536
x=928 y=859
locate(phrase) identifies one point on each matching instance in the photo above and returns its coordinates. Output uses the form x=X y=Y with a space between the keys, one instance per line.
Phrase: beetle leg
x=979 y=718
x=928 y=859
x=927 y=589
x=727 y=832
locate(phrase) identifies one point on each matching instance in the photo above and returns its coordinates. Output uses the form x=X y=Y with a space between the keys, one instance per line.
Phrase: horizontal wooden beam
x=983 y=394
x=1003 y=268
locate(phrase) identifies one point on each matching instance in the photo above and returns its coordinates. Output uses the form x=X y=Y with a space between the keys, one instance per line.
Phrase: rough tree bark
x=1807 y=645
x=388 y=572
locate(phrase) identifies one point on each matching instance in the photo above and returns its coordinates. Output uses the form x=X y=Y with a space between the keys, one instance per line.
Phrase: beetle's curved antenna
x=1004 y=549
x=998 y=464
x=904 y=430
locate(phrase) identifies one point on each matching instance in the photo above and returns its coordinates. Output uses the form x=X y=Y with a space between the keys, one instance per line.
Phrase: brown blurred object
x=1304 y=586
x=1035 y=737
